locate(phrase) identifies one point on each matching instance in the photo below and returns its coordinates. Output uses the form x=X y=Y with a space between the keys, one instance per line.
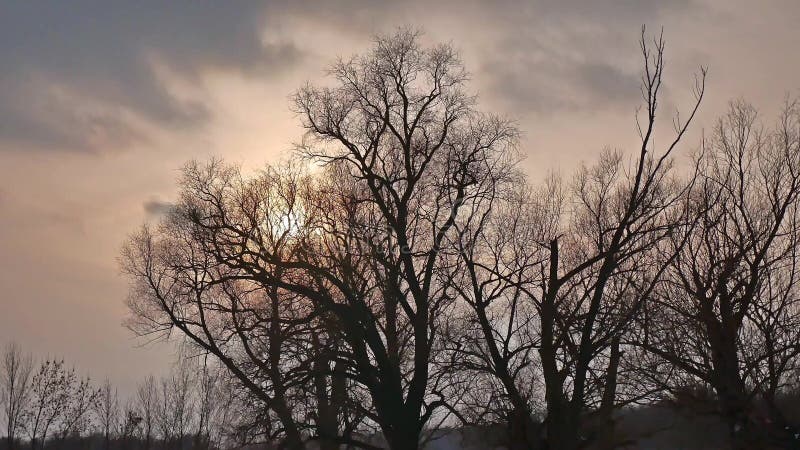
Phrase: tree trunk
x=563 y=429
x=405 y=437
x=561 y=425
x=293 y=440
x=523 y=432
x=327 y=421
x=604 y=429
x=734 y=404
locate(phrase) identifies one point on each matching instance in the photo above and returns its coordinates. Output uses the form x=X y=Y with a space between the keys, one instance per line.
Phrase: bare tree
x=355 y=258
x=415 y=158
x=728 y=316
x=225 y=418
x=564 y=274
x=178 y=405
x=207 y=403
x=49 y=398
x=495 y=337
x=15 y=378
x=146 y=404
x=594 y=281
x=258 y=332
x=107 y=412
x=130 y=425
x=81 y=399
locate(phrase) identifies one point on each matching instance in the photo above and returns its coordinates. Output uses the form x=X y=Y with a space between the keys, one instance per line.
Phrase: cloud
x=570 y=55
x=101 y=53
x=619 y=10
x=552 y=85
x=80 y=75
x=607 y=81
x=39 y=115
x=530 y=56
x=549 y=86
x=156 y=208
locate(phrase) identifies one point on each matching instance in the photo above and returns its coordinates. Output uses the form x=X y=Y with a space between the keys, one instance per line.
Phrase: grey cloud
x=606 y=86
x=618 y=10
x=363 y=15
x=531 y=56
x=155 y=208
x=552 y=84
x=572 y=55
x=611 y=81
x=32 y=118
x=100 y=50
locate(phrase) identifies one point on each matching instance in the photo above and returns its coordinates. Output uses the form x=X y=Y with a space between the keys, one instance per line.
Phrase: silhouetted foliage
x=415 y=279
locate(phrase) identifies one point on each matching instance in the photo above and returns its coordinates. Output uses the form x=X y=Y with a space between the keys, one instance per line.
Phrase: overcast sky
x=101 y=103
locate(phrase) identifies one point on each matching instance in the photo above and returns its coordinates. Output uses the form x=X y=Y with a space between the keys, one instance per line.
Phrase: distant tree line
x=47 y=405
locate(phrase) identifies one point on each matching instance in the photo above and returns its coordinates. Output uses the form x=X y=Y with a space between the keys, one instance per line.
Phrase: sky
x=101 y=103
